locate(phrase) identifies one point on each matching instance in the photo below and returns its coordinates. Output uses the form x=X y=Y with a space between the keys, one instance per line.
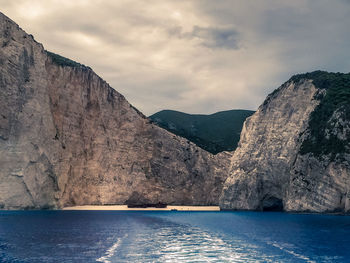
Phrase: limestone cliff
x=68 y=138
x=294 y=151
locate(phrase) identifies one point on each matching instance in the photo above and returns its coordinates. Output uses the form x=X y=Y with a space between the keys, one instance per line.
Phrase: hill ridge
x=216 y=132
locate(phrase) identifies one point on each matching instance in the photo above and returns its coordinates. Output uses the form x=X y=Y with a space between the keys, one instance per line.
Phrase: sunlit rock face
x=278 y=165
x=67 y=138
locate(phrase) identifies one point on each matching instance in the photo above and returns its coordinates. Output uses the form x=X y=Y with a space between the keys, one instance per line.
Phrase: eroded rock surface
x=279 y=166
x=68 y=138
x=267 y=148
x=322 y=184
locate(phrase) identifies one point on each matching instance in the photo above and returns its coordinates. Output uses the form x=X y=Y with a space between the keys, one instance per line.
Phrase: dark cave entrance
x=272 y=204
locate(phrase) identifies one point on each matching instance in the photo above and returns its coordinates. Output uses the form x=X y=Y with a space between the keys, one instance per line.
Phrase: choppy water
x=113 y=236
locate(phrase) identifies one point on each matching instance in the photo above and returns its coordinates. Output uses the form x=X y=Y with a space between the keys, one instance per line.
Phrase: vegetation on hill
x=336 y=98
x=62 y=61
x=214 y=133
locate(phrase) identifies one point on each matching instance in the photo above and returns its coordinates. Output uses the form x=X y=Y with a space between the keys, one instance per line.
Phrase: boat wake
x=291 y=252
x=172 y=242
x=110 y=252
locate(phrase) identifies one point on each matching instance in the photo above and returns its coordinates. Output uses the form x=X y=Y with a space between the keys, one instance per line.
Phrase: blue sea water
x=113 y=236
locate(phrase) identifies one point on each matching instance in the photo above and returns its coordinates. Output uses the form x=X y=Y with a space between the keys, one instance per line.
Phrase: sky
x=199 y=56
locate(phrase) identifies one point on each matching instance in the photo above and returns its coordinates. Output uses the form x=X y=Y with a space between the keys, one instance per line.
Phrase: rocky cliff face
x=293 y=153
x=68 y=138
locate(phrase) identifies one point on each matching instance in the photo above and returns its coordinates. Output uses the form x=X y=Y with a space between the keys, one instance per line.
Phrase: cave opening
x=272 y=204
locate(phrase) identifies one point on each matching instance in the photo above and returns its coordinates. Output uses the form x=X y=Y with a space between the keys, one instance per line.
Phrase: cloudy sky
x=198 y=56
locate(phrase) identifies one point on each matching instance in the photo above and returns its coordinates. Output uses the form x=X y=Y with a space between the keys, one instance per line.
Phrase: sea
x=172 y=236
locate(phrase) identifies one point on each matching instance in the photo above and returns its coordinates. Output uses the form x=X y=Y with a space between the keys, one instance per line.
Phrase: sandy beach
x=126 y=208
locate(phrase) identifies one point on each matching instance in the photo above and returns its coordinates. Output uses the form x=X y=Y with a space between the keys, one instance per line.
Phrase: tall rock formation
x=68 y=138
x=293 y=154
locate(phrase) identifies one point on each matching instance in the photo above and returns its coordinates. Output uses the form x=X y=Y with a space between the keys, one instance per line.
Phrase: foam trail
x=110 y=252
x=291 y=252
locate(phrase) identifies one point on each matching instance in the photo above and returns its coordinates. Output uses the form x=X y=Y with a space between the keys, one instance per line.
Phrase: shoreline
x=126 y=208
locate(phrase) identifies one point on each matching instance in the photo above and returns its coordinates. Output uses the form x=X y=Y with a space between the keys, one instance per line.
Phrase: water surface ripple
x=115 y=236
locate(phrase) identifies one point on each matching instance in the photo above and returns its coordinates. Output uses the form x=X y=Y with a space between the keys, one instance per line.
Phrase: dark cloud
x=210 y=37
x=215 y=37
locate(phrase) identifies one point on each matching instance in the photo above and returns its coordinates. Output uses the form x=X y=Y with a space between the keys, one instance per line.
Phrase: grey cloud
x=304 y=35
x=215 y=37
x=210 y=37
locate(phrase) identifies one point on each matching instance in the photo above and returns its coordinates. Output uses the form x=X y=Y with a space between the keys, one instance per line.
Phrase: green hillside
x=323 y=131
x=215 y=133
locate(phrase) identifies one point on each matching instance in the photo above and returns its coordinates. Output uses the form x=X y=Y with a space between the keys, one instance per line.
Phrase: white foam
x=110 y=252
x=194 y=245
x=291 y=252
